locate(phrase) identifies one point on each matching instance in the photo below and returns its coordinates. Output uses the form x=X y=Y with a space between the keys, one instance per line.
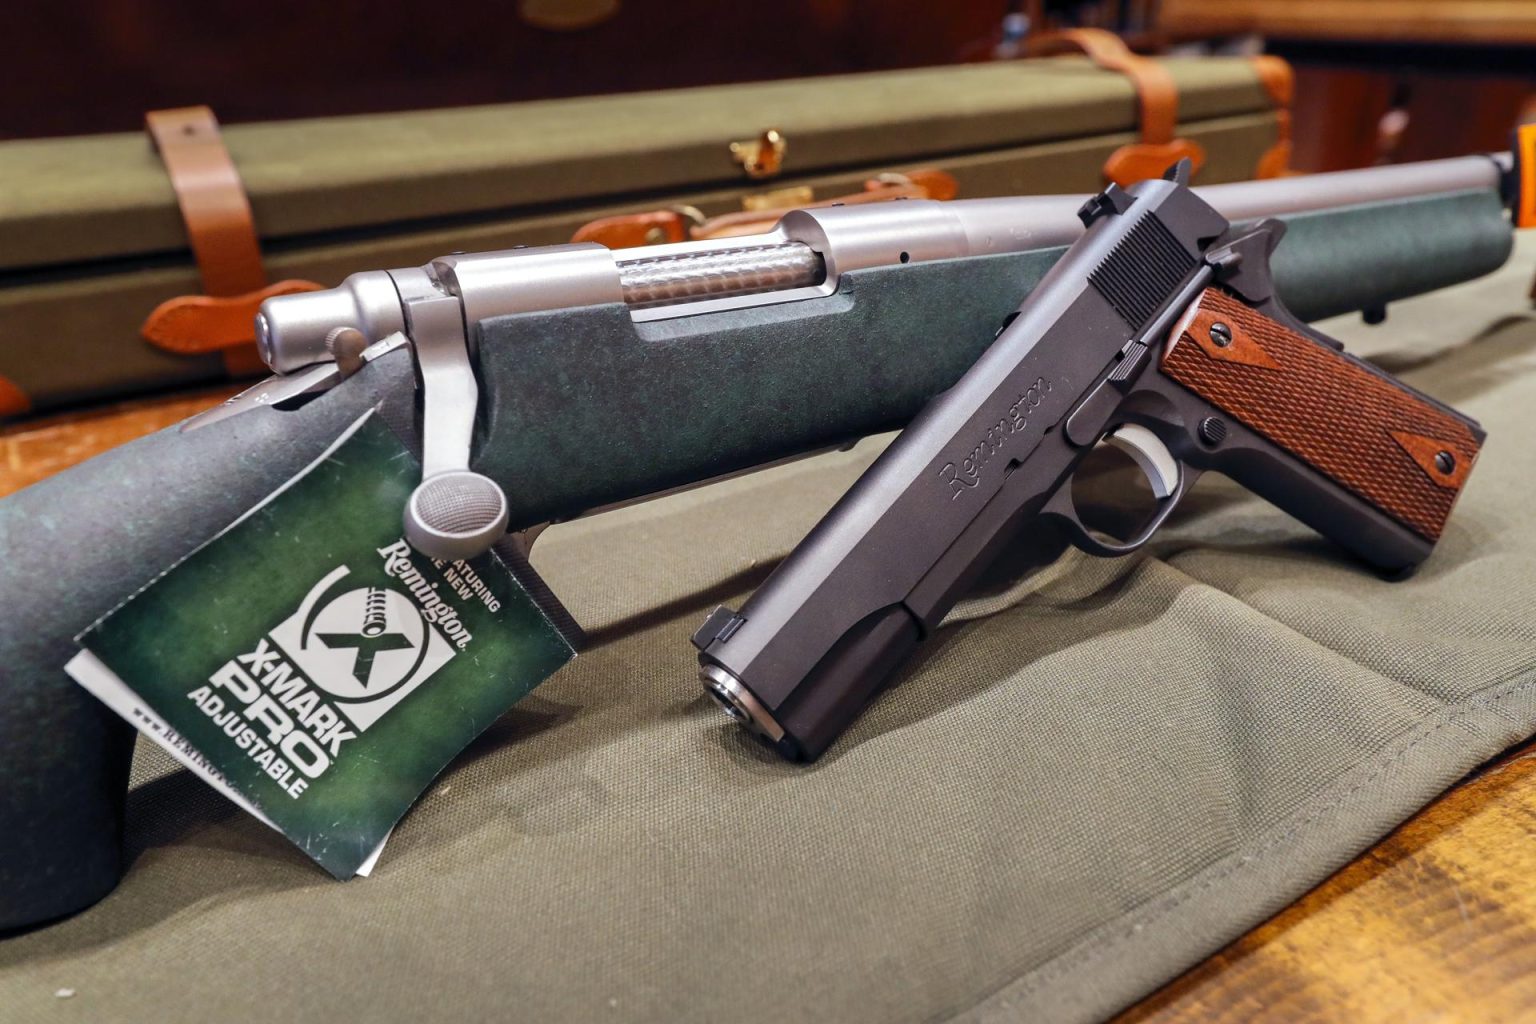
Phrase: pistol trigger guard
x=1170 y=481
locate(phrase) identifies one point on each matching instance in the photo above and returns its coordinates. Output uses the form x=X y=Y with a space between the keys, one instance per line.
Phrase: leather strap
x=1279 y=82
x=194 y=324
x=13 y=400
x=1523 y=145
x=1157 y=100
x=919 y=184
x=679 y=224
x=222 y=233
x=211 y=197
x=627 y=230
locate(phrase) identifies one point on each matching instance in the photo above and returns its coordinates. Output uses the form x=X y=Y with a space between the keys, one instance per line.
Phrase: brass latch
x=566 y=15
x=762 y=157
x=779 y=198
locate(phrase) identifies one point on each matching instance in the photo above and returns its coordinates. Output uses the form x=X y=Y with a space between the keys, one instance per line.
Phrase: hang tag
x=315 y=667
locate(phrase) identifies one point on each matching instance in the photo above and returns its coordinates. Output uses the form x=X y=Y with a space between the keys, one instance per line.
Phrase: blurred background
x=1377 y=80
x=132 y=264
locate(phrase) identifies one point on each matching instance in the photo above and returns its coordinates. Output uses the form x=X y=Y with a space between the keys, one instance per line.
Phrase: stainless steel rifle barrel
x=801 y=257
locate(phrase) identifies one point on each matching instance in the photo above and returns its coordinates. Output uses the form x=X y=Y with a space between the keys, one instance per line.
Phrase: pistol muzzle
x=739 y=703
x=799 y=710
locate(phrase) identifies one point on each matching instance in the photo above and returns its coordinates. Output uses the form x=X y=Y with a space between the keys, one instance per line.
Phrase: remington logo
x=966 y=474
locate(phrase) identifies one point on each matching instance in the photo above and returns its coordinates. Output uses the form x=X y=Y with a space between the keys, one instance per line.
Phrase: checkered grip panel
x=1375 y=437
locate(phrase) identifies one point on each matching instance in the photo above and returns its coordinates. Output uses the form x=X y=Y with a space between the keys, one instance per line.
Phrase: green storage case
x=92 y=240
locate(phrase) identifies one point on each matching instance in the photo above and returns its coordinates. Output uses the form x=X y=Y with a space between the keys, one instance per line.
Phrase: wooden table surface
x=1437 y=923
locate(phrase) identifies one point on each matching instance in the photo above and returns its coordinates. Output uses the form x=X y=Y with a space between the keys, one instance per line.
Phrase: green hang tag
x=315 y=664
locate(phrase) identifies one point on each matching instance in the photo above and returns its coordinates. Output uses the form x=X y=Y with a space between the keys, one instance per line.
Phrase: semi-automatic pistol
x=1159 y=332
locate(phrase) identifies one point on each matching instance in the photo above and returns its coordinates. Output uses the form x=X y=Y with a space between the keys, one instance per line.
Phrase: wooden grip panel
x=1376 y=438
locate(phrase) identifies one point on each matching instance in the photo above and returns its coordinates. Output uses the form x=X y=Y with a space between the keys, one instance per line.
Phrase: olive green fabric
x=1093 y=777
x=70 y=200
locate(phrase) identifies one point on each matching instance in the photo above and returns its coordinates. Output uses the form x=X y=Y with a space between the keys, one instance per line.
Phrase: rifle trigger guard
x=1169 y=481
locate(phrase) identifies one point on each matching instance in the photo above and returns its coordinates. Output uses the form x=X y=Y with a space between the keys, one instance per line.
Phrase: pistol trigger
x=1156 y=461
x=1169 y=480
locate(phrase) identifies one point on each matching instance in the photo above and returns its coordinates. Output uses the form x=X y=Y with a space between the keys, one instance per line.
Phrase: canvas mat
x=1094 y=777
